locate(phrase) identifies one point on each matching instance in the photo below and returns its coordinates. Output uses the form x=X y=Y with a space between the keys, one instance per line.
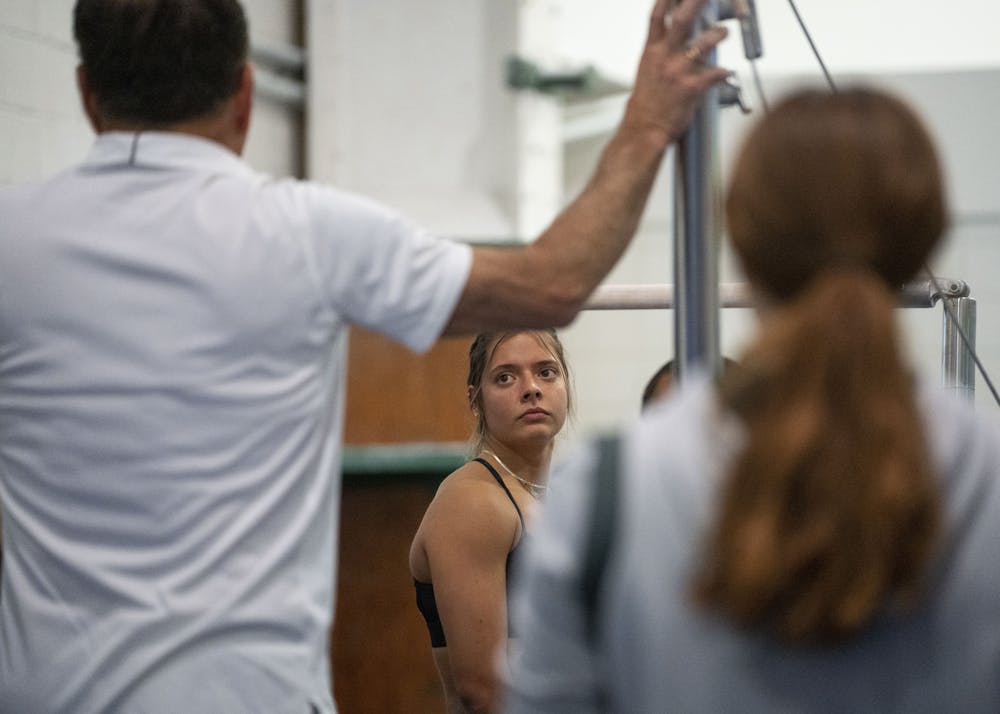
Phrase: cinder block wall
x=42 y=128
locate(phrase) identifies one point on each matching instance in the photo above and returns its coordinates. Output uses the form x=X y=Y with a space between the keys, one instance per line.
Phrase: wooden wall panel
x=381 y=651
x=380 y=648
x=395 y=396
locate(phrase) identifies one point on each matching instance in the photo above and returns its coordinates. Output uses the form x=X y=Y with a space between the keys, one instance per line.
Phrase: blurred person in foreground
x=816 y=531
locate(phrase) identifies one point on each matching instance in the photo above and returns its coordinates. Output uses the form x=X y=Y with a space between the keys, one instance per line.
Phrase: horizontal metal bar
x=927 y=293
x=659 y=296
x=654 y=296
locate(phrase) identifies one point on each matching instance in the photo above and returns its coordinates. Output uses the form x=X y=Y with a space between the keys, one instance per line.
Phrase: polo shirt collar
x=160 y=149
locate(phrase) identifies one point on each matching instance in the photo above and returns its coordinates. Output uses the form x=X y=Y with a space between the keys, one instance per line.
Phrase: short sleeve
x=378 y=270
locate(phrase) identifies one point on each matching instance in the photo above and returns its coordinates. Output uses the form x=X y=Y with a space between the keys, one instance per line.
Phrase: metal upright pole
x=958 y=369
x=697 y=233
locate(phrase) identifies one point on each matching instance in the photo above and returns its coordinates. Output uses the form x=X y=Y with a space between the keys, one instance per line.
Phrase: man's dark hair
x=652 y=388
x=159 y=62
x=662 y=380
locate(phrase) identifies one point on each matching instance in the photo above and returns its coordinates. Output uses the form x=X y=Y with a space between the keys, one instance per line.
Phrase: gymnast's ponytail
x=830 y=513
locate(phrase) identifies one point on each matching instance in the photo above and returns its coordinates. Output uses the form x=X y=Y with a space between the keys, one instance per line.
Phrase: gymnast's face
x=524 y=396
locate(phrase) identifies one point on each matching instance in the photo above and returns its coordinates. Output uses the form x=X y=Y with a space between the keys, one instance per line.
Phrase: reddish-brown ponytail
x=831 y=511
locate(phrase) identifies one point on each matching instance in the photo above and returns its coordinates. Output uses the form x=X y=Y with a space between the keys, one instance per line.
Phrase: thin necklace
x=537 y=490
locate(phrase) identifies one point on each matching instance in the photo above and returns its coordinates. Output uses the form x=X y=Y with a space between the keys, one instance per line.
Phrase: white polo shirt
x=172 y=333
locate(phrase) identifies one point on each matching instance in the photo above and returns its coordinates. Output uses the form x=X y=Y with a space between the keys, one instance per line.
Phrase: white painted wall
x=408 y=104
x=853 y=35
x=41 y=126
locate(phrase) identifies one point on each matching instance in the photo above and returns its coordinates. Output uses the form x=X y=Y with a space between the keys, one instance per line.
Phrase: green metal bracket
x=586 y=83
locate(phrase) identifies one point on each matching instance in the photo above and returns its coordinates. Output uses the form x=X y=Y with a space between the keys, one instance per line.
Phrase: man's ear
x=88 y=99
x=243 y=102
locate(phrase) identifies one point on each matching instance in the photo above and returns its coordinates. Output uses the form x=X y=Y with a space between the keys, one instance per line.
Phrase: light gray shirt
x=655 y=653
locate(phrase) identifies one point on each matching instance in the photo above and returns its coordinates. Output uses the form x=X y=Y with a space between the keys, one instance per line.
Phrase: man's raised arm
x=546 y=283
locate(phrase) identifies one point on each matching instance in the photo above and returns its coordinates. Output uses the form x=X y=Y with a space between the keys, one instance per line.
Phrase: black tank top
x=425 y=591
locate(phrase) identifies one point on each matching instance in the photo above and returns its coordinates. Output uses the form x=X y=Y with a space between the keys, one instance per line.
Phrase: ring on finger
x=693 y=53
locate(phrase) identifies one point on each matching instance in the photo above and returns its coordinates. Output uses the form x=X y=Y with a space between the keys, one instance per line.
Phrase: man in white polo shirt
x=172 y=330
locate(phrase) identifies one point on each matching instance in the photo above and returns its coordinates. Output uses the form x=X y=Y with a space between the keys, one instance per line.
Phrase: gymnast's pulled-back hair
x=830 y=513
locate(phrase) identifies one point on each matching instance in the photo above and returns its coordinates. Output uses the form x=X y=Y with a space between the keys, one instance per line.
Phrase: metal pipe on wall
x=280 y=73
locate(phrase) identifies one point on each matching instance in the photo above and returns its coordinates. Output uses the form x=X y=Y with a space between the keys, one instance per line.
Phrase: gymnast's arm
x=474 y=530
x=546 y=283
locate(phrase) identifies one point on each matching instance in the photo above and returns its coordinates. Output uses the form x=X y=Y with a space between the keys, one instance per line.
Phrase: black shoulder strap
x=603 y=513
x=499 y=480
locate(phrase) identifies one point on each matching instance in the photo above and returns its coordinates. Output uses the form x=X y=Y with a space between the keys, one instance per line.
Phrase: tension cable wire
x=809 y=39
